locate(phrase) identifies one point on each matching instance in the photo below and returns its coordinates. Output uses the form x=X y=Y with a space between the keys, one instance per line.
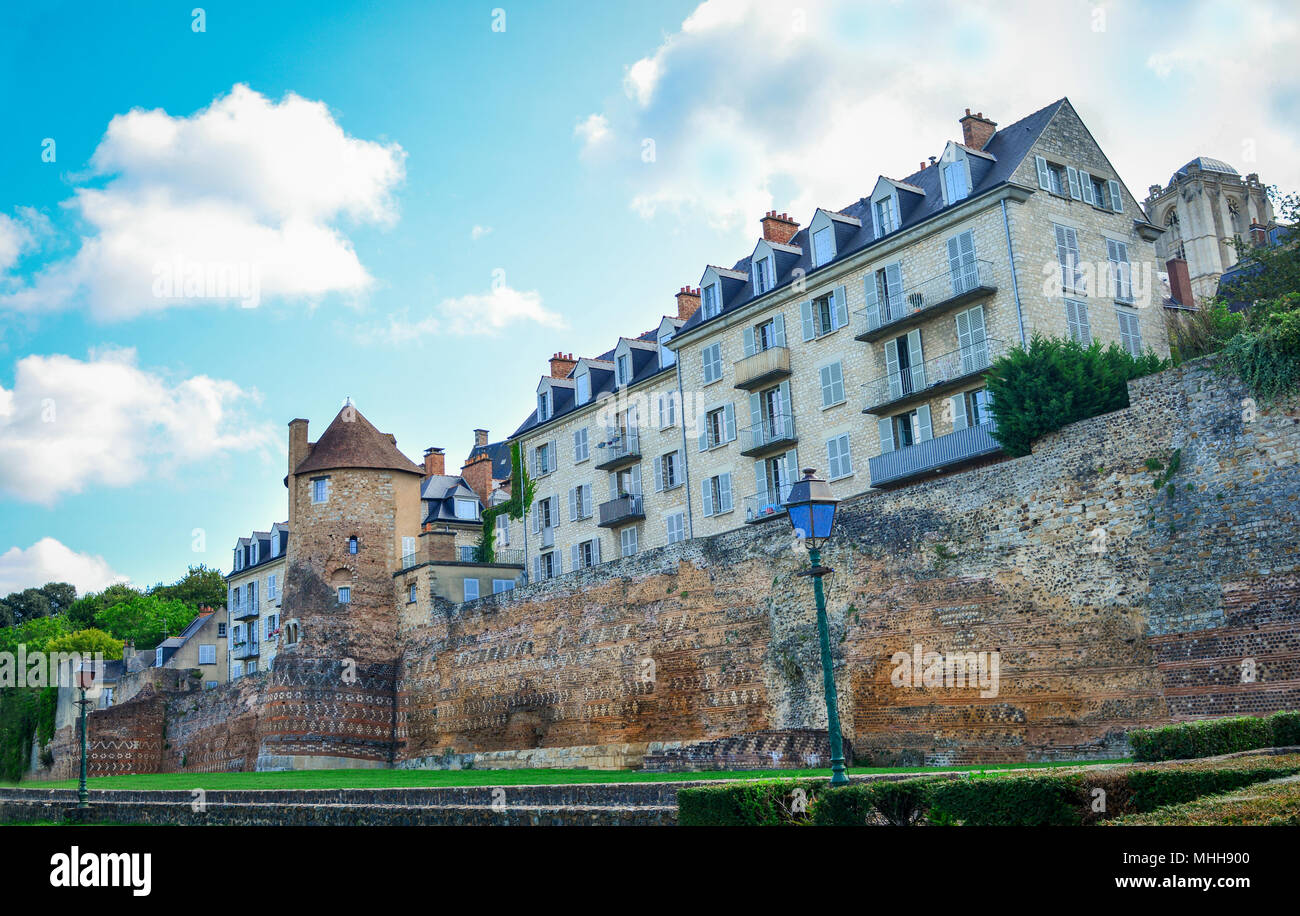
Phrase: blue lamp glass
x=811 y=508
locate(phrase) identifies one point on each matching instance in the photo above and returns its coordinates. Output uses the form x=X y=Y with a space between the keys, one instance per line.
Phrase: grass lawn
x=376 y=778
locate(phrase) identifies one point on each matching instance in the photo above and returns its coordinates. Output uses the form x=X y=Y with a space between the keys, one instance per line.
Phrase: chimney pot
x=435 y=462
x=562 y=365
x=779 y=229
x=688 y=302
x=480 y=438
x=976 y=130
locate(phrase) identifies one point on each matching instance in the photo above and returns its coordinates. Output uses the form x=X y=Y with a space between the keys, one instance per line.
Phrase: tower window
x=352 y=544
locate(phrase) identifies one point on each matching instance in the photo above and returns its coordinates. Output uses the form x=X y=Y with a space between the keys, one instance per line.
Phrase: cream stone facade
x=255 y=588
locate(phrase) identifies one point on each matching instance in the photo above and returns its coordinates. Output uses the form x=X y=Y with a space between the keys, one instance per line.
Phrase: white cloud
x=69 y=425
x=19 y=235
x=245 y=182
x=477 y=314
x=755 y=105
x=479 y=231
x=592 y=130
x=49 y=560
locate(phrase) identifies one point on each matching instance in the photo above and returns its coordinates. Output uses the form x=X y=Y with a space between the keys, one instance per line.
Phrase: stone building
x=1203 y=209
x=856 y=345
x=255 y=587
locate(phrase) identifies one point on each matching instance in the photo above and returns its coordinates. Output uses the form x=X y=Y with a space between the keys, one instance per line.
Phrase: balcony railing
x=244 y=610
x=770 y=435
x=245 y=650
x=622 y=447
x=502 y=556
x=627 y=508
x=926 y=299
x=763 y=367
x=933 y=454
x=932 y=377
x=769 y=504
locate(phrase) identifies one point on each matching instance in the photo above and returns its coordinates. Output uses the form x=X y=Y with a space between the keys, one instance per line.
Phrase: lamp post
x=811 y=508
x=85 y=680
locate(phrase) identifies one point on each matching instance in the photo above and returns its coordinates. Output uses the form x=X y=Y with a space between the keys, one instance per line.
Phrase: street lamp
x=85 y=680
x=811 y=508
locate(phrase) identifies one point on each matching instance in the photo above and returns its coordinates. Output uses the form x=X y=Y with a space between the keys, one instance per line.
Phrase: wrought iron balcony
x=766 y=505
x=621 y=448
x=925 y=300
x=772 y=434
x=625 y=509
x=933 y=455
x=762 y=368
x=931 y=378
x=246 y=650
x=244 y=610
x=501 y=556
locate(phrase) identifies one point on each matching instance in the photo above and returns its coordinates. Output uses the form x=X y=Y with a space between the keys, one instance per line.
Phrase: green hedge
x=1210 y=737
x=900 y=802
x=748 y=803
x=1013 y=800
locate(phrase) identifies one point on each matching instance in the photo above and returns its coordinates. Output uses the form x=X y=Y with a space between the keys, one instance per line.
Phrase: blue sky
x=350 y=150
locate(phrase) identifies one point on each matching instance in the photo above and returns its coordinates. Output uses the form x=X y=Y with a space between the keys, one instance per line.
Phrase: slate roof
x=351 y=441
x=499 y=452
x=439 y=493
x=1206 y=164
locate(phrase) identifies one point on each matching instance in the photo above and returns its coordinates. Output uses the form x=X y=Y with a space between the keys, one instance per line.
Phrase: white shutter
x=706 y=495
x=886 y=426
x=785 y=409
x=587 y=507
x=1073 y=175
x=778 y=330
x=729 y=417
x=1044 y=179
x=806 y=313
x=557 y=559
x=703 y=422
x=925 y=432
x=873 y=302
x=537 y=520
x=755 y=409
x=659 y=475
x=828 y=387
x=573 y=504
x=760 y=476
x=537 y=569
x=1086 y=180
x=573 y=557
x=750 y=349
x=1116 y=199
x=917 y=359
x=595 y=546
x=635 y=480
x=891 y=369
x=724 y=491
x=894 y=290
x=959 y=420
x=841 y=310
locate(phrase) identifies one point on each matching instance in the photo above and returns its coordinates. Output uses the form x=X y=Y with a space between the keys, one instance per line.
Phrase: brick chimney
x=1258 y=234
x=562 y=364
x=435 y=462
x=1180 y=284
x=976 y=129
x=299 y=448
x=478 y=474
x=778 y=228
x=688 y=302
x=480 y=438
x=438 y=544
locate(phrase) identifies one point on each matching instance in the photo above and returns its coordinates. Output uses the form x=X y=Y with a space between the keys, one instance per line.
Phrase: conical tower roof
x=352 y=441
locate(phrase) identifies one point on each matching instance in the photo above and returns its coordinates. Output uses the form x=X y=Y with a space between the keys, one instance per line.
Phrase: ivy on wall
x=522 y=490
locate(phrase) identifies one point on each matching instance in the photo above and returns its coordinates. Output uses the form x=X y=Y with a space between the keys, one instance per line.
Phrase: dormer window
x=823 y=241
x=955 y=184
x=467 y=508
x=543 y=405
x=886 y=215
x=252 y=550
x=666 y=356
x=624 y=366
x=582 y=393
x=711 y=305
x=764 y=275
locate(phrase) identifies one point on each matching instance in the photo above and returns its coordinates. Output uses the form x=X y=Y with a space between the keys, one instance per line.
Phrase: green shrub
x=1267 y=353
x=1286 y=728
x=748 y=803
x=1154 y=789
x=1211 y=737
x=1023 y=801
x=1055 y=382
x=901 y=802
x=1201 y=332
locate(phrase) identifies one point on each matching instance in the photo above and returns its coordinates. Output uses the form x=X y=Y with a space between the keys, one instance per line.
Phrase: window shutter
x=760 y=476
x=1116 y=199
x=755 y=409
x=659 y=475
x=724 y=491
x=706 y=494
x=917 y=359
x=537 y=569
x=1085 y=179
x=778 y=330
x=729 y=416
x=959 y=420
x=827 y=387
x=702 y=421
x=1044 y=179
x=886 y=426
x=595 y=546
x=635 y=476
x=837 y=382
x=894 y=290
x=806 y=313
x=558 y=559
x=785 y=409
x=577 y=445
x=841 y=307
x=573 y=557
x=1073 y=174
x=537 y=521
x=891 y=369
x=923 y=421
x=573 y=504
x=873 y=303
x=553 y=452
x=749 y=340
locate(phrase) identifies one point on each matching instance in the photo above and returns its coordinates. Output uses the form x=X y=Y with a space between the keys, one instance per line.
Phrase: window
x=764 y=277
x=221 y=631
x=502 y=585
x=886 y=215
x=270 y=586
x=1067 y=256
x=676 y=527
x=955 y=184
x=832 y=384
x=1129 y=335
x=666 y=356
x=905 y=364
x=823 y=246
x=624 y=366
x=543 y=459
x=272 y=624
x=963 y=271
x=883 y=291
x=352 y=544
x=544 y=566
x=239 y=597
x=626 y=482
x=710 y=305
x=466 y=508
x=252 y=667
x=236 y=669
x=207 y=685
x=719 y=427
x=824 y=314
x=543 y=405
x=252 y=551
x=543 y=518
x=668 y=471
x=503 y=528
x=712 y=356
x=410 y=593
x=1119 y=276
x=905 y=429
x=345 y=595
x=471 y=589
x=838 y=461
x=1076 y=318
x=586 y=554
x=408 y=550
x=582 y=392
x=1057 y=178
x=208 y=655
x=717 y=494
x=627 y=541
x=580 y=504
x=971 y=408
x=320 y=489
x=667 y=409
x=581 y=446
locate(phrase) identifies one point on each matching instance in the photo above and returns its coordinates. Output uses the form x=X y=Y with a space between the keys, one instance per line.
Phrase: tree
x=82 y=612
x=1055 y=382
x=1267 y=271
x=145 y=620
x=89 y=642
x=28 y=604
x=35 y=634
x=199 y=586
